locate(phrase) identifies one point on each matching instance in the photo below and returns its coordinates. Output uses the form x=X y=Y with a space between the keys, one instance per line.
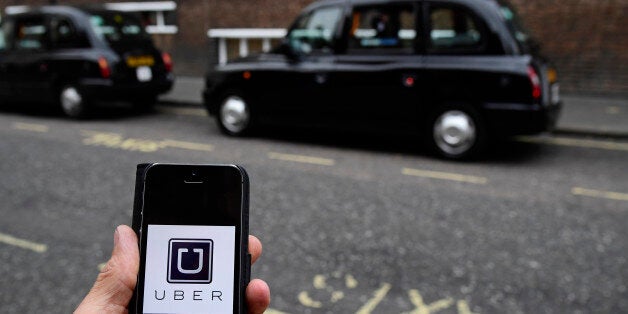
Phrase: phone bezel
x=155 y=172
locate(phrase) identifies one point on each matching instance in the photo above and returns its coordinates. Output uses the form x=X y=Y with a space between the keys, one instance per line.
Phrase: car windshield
x=315 y=31
x=514 y=24
x=115 y=27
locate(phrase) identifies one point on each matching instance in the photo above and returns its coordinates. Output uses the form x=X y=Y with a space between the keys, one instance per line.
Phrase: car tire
x=73 y=102
x=234 y=115
x=457 y=132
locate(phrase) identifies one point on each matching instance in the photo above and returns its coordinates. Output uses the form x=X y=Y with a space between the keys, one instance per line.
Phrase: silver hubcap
x=234 y=114
x=71 y=101
x=454 y=132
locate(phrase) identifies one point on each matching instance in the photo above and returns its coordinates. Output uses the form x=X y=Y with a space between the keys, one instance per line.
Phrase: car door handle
x=321 y=78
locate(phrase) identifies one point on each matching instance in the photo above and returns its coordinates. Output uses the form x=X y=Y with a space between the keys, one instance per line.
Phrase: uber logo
x=190 y=260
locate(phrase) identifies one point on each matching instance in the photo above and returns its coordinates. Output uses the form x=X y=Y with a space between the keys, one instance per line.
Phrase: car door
x=376 y=79
x=460 y=60
x=26 y=62
x=296 y=92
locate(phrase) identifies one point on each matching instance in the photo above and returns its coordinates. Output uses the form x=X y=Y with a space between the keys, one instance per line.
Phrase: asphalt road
x=350 y=224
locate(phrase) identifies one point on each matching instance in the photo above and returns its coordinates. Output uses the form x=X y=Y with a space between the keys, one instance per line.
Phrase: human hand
x=115 y=284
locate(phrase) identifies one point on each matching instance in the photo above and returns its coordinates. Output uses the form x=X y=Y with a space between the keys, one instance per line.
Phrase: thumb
x=115 y=284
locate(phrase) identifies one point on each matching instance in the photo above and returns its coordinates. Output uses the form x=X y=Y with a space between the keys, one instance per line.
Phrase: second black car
x=76 y=57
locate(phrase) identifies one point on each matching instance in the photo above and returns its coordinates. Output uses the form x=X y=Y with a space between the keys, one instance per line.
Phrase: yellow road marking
x=350 y=282
x=319 y=282
x=184 y=111
x=564 y=141
x=305 y=299
x=272 y=311
x=302 y=159
x=463 y=307
x=337 y=296
x=188 y=145
x=422 y=308
x=444 y=176
x=30 y=127
x=600 y=194
x=25 y=244
x=114 y=140
x=378 y=296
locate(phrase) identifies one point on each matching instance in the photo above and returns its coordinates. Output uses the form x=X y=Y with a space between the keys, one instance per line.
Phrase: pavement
x=599 y=116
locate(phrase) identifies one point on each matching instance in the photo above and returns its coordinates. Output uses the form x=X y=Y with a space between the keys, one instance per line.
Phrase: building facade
x=585 y=39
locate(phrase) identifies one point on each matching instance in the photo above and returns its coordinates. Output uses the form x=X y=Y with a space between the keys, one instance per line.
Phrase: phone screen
x=191 y=248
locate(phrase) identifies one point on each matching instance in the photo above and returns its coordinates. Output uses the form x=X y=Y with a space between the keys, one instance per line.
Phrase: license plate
x=555 y=93
x=138 y=61
x=144 y=74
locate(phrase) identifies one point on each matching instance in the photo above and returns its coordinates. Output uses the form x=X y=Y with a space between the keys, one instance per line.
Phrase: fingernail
x=116 y=236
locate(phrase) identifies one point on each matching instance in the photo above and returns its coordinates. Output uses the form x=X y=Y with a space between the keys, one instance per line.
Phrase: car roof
x=358 y=2
x=59 y=9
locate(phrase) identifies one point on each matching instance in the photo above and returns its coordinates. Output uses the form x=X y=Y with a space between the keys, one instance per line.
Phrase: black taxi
x=457 y=72
x=79 y=57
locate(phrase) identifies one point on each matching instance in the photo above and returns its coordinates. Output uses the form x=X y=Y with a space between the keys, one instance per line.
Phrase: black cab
x=77 y=57
x=457 y=72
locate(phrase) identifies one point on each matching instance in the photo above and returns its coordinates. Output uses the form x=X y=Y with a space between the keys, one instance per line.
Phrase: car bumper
x=109 y=90
x=520 y=119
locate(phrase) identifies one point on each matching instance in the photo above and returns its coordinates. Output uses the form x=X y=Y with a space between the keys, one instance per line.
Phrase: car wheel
x=457 y=132
x=73 y=103
x=234 y=115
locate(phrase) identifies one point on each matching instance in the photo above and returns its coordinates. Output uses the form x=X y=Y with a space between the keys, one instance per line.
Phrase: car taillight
x=103 y=65
x=167 y=61
x=536 y=83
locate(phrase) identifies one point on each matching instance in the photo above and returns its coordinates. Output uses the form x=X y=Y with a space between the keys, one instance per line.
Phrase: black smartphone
x=192 y=225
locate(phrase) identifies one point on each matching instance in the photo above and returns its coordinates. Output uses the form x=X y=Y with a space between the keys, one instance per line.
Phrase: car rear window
x=116 y=28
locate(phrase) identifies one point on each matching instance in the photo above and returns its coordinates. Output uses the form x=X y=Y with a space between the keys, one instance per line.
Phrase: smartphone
x=192 y=226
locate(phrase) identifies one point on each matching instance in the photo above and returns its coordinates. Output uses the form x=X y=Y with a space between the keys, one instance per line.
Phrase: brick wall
x=584 y=38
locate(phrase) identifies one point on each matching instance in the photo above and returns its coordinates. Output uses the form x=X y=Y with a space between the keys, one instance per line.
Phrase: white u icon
x=190 y=271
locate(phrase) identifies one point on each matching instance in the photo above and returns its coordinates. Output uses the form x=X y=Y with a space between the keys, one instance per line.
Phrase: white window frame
x=244 y=35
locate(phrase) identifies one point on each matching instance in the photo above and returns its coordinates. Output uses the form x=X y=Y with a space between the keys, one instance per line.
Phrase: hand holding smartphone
x=192 y=223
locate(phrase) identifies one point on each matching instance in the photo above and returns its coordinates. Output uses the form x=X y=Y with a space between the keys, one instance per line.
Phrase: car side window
x=31 y=34
x=454 y=30
x=386 y=28
x=315 y=32
x=65 y=35
x=3 y=37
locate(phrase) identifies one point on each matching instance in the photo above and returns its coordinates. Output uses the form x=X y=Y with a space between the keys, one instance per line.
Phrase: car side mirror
x=285 y=48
